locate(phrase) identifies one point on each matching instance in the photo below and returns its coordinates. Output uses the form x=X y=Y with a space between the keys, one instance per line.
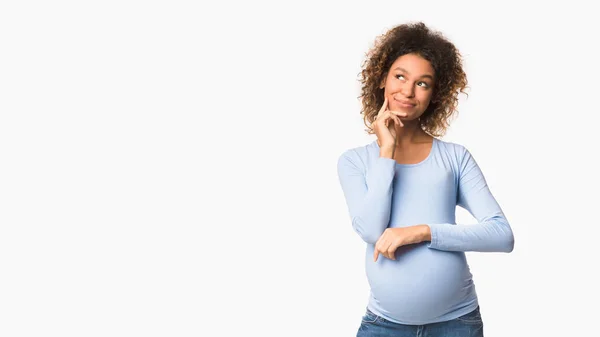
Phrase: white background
x=169 y=168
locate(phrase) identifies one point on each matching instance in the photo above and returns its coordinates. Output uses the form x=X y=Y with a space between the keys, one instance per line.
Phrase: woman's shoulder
x=450 y=145
x=359 y=155
x=453 y=150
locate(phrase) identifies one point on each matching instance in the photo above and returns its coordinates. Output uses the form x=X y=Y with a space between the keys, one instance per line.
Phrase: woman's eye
x=421 y=83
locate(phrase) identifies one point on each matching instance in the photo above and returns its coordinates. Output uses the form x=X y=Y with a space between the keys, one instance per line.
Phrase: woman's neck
x=411 y=133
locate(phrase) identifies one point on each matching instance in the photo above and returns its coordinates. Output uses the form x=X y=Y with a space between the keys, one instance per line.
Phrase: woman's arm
x=368 y=196
x=491 y=233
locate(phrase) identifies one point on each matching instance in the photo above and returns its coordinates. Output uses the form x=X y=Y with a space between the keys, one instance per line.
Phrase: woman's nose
x=407 y=89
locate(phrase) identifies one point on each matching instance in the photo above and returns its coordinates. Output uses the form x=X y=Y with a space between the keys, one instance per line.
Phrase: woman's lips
x=405 y=104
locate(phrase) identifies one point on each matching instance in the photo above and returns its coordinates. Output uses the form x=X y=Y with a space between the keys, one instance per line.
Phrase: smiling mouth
x=405 y=104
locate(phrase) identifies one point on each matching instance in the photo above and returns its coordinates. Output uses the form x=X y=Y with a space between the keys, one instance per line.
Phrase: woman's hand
x=386 y=125
x=392 y=238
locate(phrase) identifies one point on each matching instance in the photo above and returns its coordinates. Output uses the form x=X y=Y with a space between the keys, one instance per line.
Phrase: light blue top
x=431 y=281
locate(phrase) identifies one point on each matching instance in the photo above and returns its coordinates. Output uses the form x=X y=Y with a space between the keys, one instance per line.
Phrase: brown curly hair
x=446 y=60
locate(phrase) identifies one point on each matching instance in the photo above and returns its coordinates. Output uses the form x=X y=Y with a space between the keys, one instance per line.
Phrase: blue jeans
x=468 y=325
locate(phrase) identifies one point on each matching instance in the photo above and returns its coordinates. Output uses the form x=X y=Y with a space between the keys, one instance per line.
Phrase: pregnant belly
x=421 y=284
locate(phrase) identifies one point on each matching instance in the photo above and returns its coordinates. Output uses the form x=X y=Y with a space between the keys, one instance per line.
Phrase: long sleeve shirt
x=431 y=281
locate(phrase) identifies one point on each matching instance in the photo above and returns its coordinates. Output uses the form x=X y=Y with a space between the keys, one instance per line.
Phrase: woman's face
x=409 y=85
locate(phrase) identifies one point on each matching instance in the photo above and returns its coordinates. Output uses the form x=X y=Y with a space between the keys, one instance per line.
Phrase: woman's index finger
x=384 y=106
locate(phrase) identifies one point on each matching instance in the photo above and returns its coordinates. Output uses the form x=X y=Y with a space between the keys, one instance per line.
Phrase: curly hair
x=445 y=59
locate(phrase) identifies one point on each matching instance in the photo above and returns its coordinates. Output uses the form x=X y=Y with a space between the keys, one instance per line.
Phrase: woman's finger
x=379 y=248
x=383 y=107
x=398 y=113
x=384 y=247
x=391 y=252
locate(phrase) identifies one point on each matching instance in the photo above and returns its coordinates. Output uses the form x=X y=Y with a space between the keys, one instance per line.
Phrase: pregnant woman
x=402 y=190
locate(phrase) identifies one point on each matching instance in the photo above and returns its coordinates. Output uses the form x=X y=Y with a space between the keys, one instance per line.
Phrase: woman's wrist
x=386 y=152
x=425 y=233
